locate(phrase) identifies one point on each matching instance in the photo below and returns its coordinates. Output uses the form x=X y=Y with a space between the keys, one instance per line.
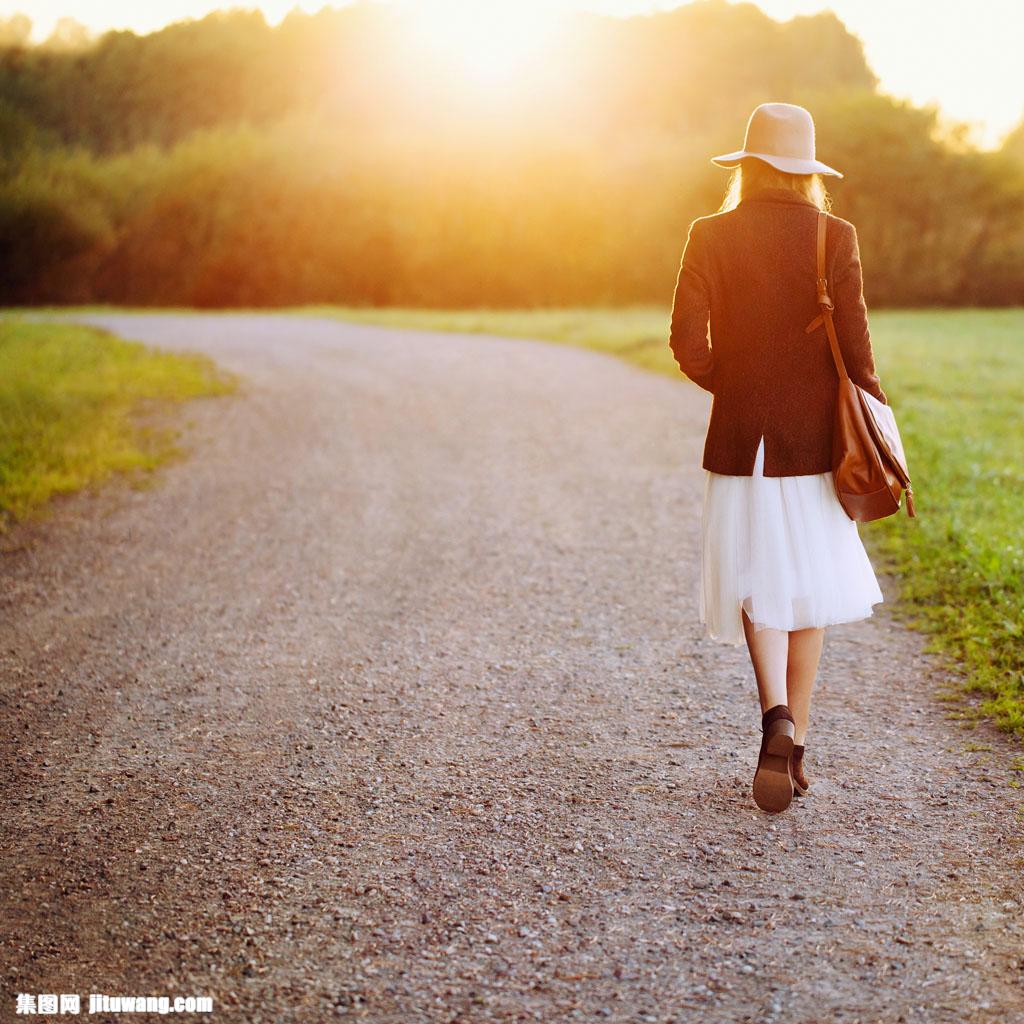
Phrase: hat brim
x=789 y=164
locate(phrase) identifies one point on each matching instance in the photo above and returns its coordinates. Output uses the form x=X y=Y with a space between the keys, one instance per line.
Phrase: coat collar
x=777 y=195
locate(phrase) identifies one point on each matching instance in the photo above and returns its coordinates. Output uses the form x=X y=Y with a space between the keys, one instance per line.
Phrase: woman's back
x=750 y=273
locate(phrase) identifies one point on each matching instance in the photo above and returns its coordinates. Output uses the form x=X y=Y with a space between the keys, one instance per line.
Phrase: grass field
x=956 y=381
x=73 y=408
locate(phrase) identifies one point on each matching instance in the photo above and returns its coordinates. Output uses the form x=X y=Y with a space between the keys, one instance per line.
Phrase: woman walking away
x=780 y=559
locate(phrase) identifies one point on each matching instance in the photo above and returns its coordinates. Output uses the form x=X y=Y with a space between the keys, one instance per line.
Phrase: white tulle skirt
x=783 y=549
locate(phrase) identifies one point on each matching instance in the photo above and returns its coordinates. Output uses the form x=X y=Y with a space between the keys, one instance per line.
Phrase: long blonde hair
x=752 y=174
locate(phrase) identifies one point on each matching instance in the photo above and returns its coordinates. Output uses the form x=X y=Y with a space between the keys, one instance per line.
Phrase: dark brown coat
x=750 y=272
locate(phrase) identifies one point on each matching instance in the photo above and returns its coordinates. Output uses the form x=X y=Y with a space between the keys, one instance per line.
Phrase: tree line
x=225 y=162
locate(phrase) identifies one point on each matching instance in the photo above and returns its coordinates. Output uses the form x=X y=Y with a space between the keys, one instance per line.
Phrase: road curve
x=390 y=703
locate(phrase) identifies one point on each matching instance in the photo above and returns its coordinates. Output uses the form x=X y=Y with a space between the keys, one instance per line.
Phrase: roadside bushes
x=301 y=212
x=335 y=158
x=51 y=242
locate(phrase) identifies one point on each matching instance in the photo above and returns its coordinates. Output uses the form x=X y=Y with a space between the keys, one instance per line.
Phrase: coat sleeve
x=688 y=334
x=851 y=316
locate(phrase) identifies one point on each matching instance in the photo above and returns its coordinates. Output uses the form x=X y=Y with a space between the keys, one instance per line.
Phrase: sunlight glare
x=490 y=43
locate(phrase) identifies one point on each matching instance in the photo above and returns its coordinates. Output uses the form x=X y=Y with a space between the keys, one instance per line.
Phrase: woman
x=780 y=559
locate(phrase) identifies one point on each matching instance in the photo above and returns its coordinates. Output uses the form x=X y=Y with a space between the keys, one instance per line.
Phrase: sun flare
x=489 y=43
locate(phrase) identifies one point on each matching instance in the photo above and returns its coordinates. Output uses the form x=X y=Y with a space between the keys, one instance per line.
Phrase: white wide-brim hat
x=781 y=134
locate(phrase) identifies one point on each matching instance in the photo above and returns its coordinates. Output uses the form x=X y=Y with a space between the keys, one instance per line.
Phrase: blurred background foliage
x=330 y=159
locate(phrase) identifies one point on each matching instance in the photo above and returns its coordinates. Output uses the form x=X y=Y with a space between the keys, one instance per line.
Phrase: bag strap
x=825 y=316
x=825 y=302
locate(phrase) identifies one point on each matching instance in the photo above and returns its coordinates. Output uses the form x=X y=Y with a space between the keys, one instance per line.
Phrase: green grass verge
x=74 y=406
x=956 y=380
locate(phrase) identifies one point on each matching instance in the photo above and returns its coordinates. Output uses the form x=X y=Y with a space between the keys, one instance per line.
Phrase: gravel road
x=390 y=703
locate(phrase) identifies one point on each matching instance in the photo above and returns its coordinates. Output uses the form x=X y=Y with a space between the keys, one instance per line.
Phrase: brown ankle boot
x=773 y=780
x=800 y=783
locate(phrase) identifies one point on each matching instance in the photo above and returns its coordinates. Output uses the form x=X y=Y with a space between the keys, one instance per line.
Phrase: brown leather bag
x=869 y=466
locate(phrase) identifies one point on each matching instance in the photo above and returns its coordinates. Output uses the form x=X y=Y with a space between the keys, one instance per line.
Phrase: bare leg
x=769 y=654
x=801 y=671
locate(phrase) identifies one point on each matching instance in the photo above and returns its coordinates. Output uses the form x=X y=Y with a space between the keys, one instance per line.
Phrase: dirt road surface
x=391 y=703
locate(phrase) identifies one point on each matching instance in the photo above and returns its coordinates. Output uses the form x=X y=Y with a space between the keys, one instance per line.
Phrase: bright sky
x=966 y=56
